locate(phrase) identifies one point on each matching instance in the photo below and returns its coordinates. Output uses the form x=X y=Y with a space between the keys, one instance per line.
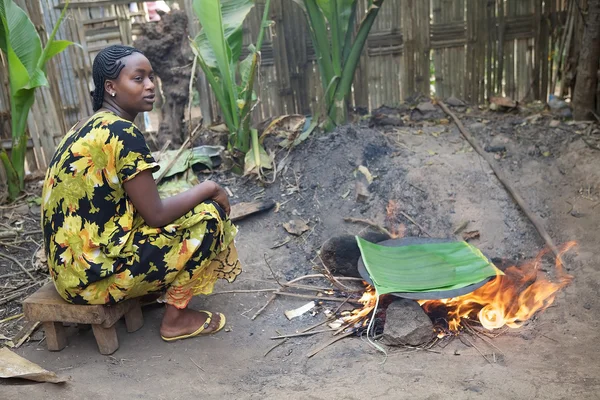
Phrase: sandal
x=202 y=328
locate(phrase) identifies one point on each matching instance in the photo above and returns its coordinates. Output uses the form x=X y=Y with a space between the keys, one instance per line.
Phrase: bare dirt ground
x=435 y=177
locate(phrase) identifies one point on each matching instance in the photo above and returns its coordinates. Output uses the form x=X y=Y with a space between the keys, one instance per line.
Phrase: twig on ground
x=271 y=269
x=304 y=330
x=483 y=338
x=312 y=276
x=328 y=343
x=408 y=217
x=9 y=233
x=15 y=203
x=199 y=367
x=244 y=291
x=25 y=333
x=34 y=232
x=34 y=254
x=19 y=292
x=269 y=301
x=334 y=281
x=515 y=195
x=301 y=334
x=590 y=145
x=370 y=223
x=11 y=318
x=290 y=284
x=16 y=273
x=304 y=296
x=340 y=306
x=476 y=348
x=11 y=258
x=14 y=246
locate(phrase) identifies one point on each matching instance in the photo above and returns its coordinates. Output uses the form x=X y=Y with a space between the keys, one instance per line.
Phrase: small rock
x=502 y=103
x=554 y=123
x=495 y=149
x=426 y=106
x=35 y=210
x=533 y=150
x=533 y=119
x=454 y=102
x=476 y=126
x=407 y=324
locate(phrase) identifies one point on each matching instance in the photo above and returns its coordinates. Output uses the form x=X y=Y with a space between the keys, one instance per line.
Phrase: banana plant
x=26 y=59
x=218 y=49
x=337 y=48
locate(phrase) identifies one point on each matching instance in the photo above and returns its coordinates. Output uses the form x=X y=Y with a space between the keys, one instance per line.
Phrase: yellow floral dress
x=100 y=250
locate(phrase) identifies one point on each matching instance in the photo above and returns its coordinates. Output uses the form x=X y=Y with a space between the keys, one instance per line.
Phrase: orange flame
x=508 y=299
x=368 y=299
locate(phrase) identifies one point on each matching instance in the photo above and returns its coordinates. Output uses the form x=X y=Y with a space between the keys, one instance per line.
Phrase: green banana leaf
x=424 y=267
x=27 y=59
x=221 y=36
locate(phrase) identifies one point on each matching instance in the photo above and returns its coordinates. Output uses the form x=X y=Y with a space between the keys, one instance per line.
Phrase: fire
x=368 y=299
x=509 y=299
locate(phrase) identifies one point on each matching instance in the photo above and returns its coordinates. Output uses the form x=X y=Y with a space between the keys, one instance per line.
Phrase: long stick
x=328 y=343
x=310 y=328
x=507 y=185
x=408 y=217
x=304 y=296
x=369 y=223
x=301 y=334
x=11 y=258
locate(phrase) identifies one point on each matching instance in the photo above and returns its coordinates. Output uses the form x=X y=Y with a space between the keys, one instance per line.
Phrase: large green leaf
x=26 y=60
x=340 y=10
x=424 y=267
x=56 y=47
x=219 y=43
x=23 y=46
x=230 y=18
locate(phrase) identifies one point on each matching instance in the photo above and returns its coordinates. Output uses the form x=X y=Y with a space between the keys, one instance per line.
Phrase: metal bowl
x=436 y=295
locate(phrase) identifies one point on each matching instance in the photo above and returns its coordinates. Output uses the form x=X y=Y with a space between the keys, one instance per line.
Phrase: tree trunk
x=585 y=96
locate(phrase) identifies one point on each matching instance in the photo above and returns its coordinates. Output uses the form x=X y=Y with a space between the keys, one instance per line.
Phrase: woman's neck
x=115 y=109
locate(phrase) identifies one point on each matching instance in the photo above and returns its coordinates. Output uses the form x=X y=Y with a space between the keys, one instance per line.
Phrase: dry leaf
x=296 y=227
x=470 y=235
x=15 y=366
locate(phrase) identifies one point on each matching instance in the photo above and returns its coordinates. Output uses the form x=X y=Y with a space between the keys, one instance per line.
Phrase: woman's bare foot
x=178 y=322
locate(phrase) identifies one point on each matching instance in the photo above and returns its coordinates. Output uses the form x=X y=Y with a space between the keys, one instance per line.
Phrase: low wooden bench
x=48 y=307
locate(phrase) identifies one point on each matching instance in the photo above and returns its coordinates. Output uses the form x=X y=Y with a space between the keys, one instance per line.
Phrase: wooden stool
x=47 y=306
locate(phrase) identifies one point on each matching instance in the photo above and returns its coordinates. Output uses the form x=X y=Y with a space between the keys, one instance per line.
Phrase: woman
x=108 y=235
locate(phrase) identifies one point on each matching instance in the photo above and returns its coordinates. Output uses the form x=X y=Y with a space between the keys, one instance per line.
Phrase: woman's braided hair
x=108 y=65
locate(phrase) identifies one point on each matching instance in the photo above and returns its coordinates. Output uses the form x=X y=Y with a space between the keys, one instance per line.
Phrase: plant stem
x=337 y=111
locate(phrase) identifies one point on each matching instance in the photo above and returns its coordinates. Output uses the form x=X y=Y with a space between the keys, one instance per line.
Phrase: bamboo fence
x=470 y=49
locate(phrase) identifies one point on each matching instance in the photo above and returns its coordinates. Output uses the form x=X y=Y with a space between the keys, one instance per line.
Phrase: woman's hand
x=157 y=212
x=221 y=198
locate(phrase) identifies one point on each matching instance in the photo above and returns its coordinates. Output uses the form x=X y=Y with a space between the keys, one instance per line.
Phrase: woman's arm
x=157 y=212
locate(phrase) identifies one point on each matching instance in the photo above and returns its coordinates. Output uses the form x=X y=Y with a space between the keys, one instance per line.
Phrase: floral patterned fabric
x=99 y=249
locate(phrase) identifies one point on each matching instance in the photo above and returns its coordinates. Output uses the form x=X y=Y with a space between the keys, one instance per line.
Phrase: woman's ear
x=109 y=88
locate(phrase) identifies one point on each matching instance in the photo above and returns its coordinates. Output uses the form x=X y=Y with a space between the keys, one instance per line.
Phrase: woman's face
x=134 y=87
